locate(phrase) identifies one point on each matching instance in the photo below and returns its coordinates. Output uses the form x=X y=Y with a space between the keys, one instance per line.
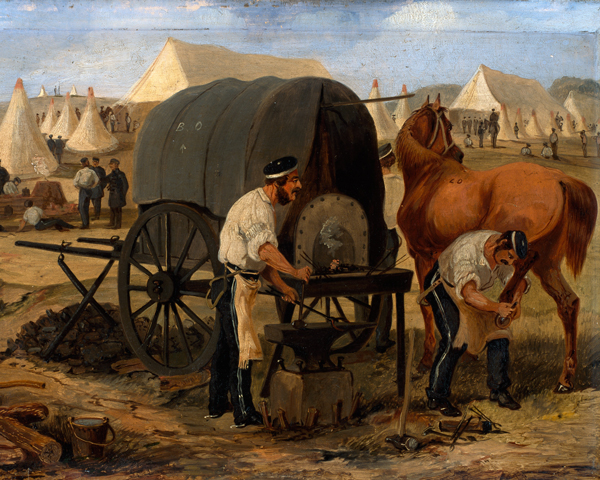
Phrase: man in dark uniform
x=127 y=121
x=481 y=134
x=51 y=145
x=59 y=146
x=464 y=125
x=554 y=144
x=98 y=190
x=117 y=185
x=248 y=250
x=4 y=176
x=469 y=124
x=37 y=119
x=516 y=130
x=78 y=113
x=494 y=127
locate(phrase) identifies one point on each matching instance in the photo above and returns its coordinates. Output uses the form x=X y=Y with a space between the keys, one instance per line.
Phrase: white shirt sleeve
x=464 y=271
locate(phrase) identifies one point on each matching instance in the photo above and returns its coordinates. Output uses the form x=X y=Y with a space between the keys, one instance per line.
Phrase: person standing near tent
x=37 y=119
x=494 y=127
x=454 y=288
x=481 y=133
x=127 y=121
x=51 y=145
x=59 y=147
x=583 y=137
x=394 y=193
x=35 y=216
x=554 y=144
x=78 y=113
x=464 y=125
x=516 y=130
x=4 y=176
x=113 y=121
x=98 y=190
x=469 y=124
x=248 y=250
x=117 y=185
x=85 y=180
x=43 y=116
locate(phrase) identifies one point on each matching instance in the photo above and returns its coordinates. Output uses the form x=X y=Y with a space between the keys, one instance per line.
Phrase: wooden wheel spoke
x=136 y=288
x=189 y=274
x=186 y=249
x=192 y=294
x=352 y=334
x=150 y=333
x=166 y=336
x=155 y=258
x=336 y=302
x=168 y=242
x=194 y=317
x=181 y=332
x=141 y=268
x=140 y=310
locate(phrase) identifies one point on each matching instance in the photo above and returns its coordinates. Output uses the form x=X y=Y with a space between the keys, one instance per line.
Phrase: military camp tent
x=50 y=120
x=180 y=65
x=386 y=128
x=489 y=89
x=402 y=111
x=207 y=145
x=73 y=91
x=68 y=121
x=42 y=92
x=582 y=106
x=91 y=136
x=21 y=143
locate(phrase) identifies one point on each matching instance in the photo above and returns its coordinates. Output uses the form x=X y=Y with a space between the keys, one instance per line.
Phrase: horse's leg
x=423 y=266
x=567 y=303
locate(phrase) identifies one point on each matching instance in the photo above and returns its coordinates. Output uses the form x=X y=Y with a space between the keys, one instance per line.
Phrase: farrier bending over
x=248 y=250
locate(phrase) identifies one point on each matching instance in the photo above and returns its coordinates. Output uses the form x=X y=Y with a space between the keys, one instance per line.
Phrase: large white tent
x=91 y=135
x=68 y=122
x=386 y=128
x=50 y=120
x=74 y=91
x=181 y=65
x=21 y=143
x=402 y=111
x=489 y=89
x=42 y=92
x=580 y=105
x=507 y=131
x=533 y=128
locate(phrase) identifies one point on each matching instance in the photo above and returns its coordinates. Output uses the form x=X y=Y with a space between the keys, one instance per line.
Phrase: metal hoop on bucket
x=70 y=420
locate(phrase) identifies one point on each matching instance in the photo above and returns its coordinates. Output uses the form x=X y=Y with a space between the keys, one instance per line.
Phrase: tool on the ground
x=475 y=425
x=462 y=425
x=22 y=383
x=431 y=430
x=401 y=440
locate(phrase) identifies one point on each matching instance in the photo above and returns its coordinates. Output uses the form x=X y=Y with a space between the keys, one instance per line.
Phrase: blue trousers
x=44 y=224
x=447 y=321
x=84 y=206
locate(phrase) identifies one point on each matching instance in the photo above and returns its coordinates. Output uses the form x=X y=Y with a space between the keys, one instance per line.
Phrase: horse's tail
x=582 y=210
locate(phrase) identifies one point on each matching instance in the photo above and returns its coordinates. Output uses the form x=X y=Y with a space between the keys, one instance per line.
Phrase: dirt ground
x=162 y=434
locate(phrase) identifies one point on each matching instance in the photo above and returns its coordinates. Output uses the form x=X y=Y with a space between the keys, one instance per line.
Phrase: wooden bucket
x=89 y=436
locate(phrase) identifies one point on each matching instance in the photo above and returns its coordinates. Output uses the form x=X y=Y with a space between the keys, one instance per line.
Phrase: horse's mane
x=410 y=150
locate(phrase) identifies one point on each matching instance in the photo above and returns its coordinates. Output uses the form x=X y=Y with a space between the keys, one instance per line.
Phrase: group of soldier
x=490 y=125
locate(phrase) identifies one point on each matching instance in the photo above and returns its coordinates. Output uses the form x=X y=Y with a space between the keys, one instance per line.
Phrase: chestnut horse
x=443 y=199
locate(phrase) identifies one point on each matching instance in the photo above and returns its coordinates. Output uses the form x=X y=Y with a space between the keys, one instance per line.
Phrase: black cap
x=518 y=240
x=83 y=160
x=114 y=161
x=385 y=150
x=95 y=159
x=280 y=167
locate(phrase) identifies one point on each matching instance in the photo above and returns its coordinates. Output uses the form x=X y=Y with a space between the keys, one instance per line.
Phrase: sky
x=109 y=44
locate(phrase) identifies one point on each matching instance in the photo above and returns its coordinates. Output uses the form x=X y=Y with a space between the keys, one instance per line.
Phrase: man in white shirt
x=469 y=266
x=10 y=188
x=248 y=250
x=468 y=141
x=394 y=193
x=85 y=180
x=35 y=216
x=526 y=151
x=546 y=151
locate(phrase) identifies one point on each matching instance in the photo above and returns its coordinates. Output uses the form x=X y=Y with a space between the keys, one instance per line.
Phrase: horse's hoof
x=422 y=368
x=560 y=388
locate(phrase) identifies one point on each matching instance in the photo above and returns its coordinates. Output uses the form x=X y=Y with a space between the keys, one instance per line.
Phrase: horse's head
x=431 y=129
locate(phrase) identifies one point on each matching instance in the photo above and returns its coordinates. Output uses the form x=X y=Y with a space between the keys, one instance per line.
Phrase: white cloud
x=27 y=7
x=425 y=15
x=193 y=6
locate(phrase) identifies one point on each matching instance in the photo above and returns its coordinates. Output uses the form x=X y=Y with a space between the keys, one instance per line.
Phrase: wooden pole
x=406 y=402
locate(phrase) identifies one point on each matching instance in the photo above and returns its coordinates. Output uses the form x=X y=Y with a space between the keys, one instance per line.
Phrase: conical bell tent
x=568 y=127
x=506 y=129
x=50 y=120
x=386 y=128
x=533 y=127
x=553 y=124
x=91 y=135
x=402 y=111
x=21 y=143
x=74 y=91
x=520 y=124
x=68 y=122
x=42 y=92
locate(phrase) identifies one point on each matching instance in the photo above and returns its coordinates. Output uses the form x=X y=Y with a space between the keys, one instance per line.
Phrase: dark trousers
x=84 y=206
x=554 y=147
x=116 y=214
x=97 y=203
x=226 y=377
x=48 y=223
x=382 y=334
x=447 y=320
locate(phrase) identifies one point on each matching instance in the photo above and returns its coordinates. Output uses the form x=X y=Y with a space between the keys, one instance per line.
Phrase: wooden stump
x=45 y=448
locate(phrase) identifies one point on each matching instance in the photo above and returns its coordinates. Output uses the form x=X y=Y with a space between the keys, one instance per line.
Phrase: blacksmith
x=469 y=266
x=117 y=185
x=248 y=250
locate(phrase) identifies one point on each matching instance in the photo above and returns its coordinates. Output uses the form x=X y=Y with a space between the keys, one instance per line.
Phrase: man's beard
x=283 y=197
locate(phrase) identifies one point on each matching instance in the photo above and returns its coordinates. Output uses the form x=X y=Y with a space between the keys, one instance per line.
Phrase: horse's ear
x=426 y=102
x=436 y=105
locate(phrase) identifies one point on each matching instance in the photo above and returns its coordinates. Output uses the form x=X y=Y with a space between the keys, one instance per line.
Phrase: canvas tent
x=386 y=128
x=180 y=65
x=50 y=120
x=74 y=91
x=520 y=124
x=489 y=89
x=67 y=123
x=580 y=105
x=533 y=128
x=21 y=142
x=402 y=111
x=91 y=135
x=506 y=128
x=42 y=92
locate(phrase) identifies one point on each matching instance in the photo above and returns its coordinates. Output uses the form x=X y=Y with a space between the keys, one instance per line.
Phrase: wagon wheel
x=366 y=310
x=167 y=260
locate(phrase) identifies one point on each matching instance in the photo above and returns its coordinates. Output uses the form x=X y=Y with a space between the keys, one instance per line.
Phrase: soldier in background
x=546 y=151
x=516 y=130
x=583 y=137
x=85 y=180
x=98 y=190
x=59 y=146
x=37 y=119
x=494 y=127
x=468 y=141
x=464 y=124
x=127 y=121
x=481 y=134
x=51 y=145
x=554 y=144
x=526 y=151
x=117 y=185
x=78 y=113
x=10 y=188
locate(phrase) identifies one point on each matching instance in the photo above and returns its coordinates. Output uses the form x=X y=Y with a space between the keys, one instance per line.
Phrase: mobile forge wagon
x=201 y=150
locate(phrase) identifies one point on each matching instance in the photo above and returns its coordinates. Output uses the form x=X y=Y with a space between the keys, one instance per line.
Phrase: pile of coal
x=91 y=345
